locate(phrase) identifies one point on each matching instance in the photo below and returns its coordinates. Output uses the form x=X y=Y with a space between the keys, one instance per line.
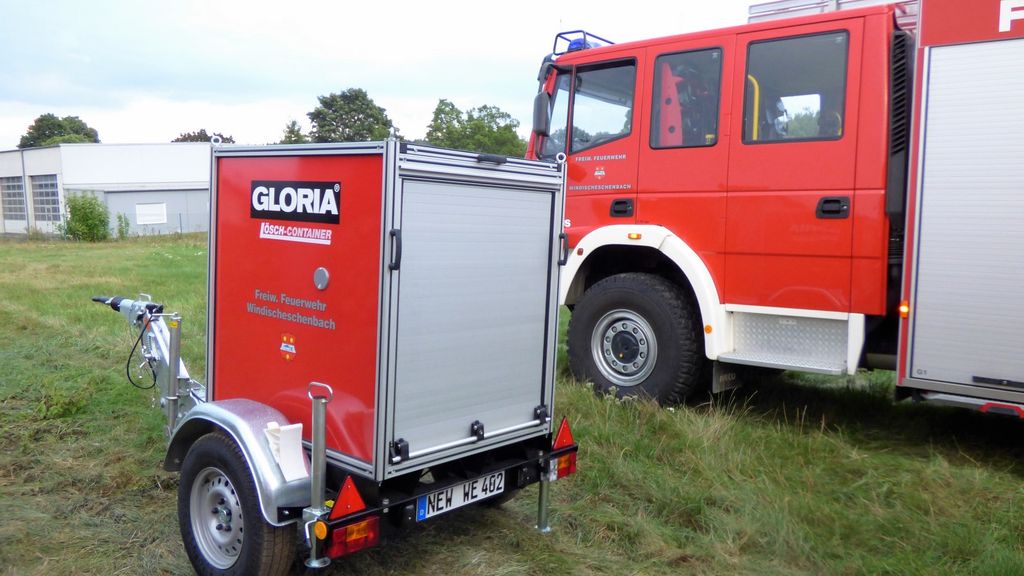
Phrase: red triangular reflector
x=348 y=502
x=564 y=437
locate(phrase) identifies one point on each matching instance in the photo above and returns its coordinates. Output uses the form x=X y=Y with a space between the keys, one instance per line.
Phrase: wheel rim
x=216 y=515
x=624 y=347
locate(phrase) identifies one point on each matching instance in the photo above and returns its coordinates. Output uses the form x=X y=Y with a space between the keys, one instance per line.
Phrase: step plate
x=795 y=343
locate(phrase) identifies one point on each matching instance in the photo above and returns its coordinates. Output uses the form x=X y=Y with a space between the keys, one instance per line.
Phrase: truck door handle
x=563 y=249
x=621 y=208
x=396 y=258
x=834 y=207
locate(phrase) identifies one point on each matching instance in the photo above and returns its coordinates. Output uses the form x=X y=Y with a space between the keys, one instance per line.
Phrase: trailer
x=381 y=332
x=832 y=186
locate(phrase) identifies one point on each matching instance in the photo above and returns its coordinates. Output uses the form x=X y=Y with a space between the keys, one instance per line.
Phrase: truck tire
x=222 y=528
x=638 y=335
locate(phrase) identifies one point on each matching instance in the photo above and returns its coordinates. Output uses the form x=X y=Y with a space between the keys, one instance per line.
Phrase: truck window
x=796 y=89
x=686 y=94
x=555 y=141
x=602 y=108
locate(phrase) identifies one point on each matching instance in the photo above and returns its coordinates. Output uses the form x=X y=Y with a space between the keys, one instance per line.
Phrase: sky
x=142 y=72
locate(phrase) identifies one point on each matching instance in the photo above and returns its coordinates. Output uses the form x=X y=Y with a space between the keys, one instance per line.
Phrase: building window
x=12 y=194
x=45 y=199
x=796 y=89
x=602 y=108
x=151 y=213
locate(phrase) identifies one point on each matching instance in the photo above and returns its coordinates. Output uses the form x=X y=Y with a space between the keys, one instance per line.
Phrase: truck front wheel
x=637 y=335
x=219 y=515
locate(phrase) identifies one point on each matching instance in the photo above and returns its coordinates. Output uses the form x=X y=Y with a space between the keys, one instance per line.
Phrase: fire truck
x=369 y=365
x=834 y=185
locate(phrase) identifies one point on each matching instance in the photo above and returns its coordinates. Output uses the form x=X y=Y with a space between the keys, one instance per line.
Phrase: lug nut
x=220 y=527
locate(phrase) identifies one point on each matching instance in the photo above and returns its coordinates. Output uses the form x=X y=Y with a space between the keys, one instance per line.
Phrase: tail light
x=565 y=464
x=354 y=537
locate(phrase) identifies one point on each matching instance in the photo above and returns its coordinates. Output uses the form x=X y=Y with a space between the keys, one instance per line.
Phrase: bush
x=123 y=226
x=87 y=218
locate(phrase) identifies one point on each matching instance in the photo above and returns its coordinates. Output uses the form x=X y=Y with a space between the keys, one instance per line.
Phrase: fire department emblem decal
x=287 y=346
x=599 y=172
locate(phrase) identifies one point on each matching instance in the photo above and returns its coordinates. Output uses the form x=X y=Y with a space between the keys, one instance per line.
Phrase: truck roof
x=606 y=52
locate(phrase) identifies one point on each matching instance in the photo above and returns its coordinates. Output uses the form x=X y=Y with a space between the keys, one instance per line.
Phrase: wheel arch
x=243 y=421
x=646 y=248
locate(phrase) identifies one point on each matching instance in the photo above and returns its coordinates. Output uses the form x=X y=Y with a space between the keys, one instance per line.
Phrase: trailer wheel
x=637 y=335
x=219 y=515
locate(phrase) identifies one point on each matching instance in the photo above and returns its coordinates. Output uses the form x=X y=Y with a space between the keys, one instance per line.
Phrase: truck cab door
x=593 y=121
x=792 y=167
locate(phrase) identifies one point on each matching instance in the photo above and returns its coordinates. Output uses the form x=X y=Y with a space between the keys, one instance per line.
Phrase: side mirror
x=542 y=113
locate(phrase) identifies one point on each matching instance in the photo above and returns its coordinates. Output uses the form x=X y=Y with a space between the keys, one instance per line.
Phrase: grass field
x=796 y=475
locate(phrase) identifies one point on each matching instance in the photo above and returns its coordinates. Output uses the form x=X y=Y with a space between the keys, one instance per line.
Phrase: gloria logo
x=1010 y=10
x=296 y=201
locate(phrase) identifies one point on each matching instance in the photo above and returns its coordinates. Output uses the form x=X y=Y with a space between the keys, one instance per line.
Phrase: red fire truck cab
x=817 y=190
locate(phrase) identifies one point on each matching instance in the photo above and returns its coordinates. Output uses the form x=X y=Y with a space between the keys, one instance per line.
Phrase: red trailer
x=831 y=186
x=381 y=348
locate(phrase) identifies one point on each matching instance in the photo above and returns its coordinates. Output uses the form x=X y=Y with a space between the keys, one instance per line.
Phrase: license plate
x=459 y=495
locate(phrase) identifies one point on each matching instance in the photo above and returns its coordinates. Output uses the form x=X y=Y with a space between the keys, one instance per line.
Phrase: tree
x=293 y=134
x=483 y=129
x=350 y=116
x=202 y=136
x=48 y=129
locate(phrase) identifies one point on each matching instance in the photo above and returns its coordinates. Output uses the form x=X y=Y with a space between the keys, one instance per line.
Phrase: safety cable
x=128 y=364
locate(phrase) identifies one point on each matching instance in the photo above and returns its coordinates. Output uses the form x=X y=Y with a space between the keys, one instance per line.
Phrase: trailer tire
x=637 y=334
x=219 y=515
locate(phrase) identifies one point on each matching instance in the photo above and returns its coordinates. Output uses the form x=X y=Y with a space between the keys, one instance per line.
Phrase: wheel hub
x=623 y=347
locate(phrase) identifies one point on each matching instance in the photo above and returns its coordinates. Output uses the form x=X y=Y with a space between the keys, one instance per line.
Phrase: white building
x=160 y=188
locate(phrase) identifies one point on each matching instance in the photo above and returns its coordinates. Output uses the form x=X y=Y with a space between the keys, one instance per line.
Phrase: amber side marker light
x=320 y=530
x=634 y=236
x=904 y=309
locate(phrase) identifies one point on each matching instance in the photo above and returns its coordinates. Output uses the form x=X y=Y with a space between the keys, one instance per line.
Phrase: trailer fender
x=244 y=421
x=713 y=313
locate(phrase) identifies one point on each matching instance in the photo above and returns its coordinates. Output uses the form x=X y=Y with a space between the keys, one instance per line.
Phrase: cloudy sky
x=147 y=71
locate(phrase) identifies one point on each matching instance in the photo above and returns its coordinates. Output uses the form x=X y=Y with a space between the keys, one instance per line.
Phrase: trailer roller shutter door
x=968 y=323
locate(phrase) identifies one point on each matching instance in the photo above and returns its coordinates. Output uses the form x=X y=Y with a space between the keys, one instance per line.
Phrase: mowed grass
x=797 y=475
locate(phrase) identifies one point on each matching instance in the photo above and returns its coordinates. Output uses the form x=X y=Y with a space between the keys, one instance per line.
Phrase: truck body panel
x=963 y=335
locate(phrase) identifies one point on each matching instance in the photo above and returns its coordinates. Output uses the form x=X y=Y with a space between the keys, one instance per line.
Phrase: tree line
x=347 y=116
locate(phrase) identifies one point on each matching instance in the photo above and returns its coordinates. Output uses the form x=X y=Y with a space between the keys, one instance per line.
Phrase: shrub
x=123 y=226
x=87 y=218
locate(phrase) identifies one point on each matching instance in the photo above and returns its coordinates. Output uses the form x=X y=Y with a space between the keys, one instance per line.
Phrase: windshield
x=555 y=141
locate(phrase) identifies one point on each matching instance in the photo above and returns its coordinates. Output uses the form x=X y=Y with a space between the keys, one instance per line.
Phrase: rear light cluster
x=565 y=464
x=356 y=536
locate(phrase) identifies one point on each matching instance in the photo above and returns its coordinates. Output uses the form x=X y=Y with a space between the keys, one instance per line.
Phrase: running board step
x=789 y=342
x=775 y=361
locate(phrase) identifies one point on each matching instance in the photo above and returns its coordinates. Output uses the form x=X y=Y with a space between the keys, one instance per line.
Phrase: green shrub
x=123 y=226
x=87 y=218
